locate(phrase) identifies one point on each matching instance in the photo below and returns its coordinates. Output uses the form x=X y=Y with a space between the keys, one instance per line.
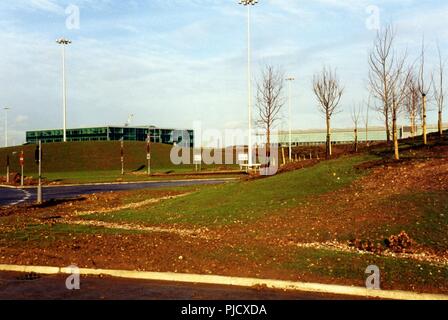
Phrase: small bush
x=401 y=243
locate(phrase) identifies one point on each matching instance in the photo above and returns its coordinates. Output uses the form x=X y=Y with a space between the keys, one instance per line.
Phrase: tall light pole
x=290 y=80
x=64 y=42
x=6 y=125
x=248 y=4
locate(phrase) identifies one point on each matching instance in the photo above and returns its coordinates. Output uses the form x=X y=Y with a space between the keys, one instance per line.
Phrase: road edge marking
x=26 y=197
x=233 y=281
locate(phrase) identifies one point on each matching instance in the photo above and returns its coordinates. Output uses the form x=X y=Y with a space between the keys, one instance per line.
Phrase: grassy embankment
x=80 y=162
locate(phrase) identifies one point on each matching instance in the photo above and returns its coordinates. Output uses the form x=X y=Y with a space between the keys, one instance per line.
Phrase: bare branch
x=270 y=98
x=381 y=63
x=328 y=91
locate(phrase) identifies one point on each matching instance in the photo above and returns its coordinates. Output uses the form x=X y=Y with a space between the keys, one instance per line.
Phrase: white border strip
x=26 y=197
x=234 y=281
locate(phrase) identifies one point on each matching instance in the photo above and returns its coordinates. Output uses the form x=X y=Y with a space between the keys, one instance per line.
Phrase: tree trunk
x=387 y=126
x=268 y=141
x=440 y=124
x=356 y=140
x=367 y=135
x=395 y=137
x=425 y=138
x=413 y=116
x=328 y=147
x=412 y=126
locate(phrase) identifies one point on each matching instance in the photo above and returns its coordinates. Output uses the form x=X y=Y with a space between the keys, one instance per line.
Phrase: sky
x=173 y=62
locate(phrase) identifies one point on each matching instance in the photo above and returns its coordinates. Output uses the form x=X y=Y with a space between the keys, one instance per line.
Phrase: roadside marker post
x=22 y=165
x=122 y=157
x=39 y=161
x=7 y=168
x=148 y=152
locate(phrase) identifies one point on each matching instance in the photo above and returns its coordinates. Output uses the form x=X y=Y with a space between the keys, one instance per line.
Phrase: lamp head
x=63 y=41
x=248 y=2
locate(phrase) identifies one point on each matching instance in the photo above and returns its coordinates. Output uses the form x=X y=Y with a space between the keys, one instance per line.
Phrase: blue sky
x=173 y=62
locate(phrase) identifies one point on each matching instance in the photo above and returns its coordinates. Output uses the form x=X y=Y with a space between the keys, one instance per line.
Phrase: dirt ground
x=328 y=221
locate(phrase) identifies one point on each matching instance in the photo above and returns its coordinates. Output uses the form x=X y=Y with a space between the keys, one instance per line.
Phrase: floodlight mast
x=248 y=4
x=63 y=43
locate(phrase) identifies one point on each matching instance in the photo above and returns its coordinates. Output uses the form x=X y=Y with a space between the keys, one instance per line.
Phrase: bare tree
x=356 y=115
x=412 y=101
x=328 y=91
x=439 y=90
x=270 y=99
x=381 y=62
x=424 y=89
x=399 y=79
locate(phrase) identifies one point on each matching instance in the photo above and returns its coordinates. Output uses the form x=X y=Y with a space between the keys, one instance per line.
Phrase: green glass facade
x=166 y=136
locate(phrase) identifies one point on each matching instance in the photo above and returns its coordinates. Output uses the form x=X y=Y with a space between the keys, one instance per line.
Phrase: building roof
x=110 y=126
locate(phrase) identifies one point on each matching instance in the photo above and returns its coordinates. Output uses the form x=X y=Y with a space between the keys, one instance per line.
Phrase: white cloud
x=47 y=5
x=171 y=73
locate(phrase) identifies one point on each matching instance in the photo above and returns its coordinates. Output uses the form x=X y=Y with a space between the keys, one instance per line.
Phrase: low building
x=343 y=136
x=113 y=133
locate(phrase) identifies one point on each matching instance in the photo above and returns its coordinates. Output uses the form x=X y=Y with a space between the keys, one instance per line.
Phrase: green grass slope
x=88 y=157
x=244 y=201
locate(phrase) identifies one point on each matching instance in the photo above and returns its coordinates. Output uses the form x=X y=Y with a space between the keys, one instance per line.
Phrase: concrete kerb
x=9 y=187
x=233 y=281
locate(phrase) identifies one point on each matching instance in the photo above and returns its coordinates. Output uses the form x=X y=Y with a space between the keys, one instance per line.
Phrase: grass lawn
x=115 y=175
x=245 y=201
x=45 y=234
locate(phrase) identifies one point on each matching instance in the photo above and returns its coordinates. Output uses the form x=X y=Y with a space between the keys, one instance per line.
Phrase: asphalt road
x=10 y=196
x=14 y=286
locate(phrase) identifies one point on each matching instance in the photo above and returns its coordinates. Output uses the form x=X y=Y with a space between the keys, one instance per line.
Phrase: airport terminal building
x=113 y=133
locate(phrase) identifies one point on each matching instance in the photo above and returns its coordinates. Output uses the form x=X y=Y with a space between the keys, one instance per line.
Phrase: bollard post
x=39 y=186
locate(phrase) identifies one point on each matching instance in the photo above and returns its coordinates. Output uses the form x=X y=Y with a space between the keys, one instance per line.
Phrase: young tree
x=270 y=99
x=328 y=91
x=439 y=90
x=356 y=115
x=412 y=101
x=381 y=62
x=399 y=79
x=424 y=89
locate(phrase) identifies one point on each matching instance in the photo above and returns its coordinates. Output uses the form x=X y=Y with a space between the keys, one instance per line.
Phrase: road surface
x=10 y=196
x=14 y=286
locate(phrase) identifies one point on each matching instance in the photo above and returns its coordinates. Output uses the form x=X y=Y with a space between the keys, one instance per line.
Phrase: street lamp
x=248 y=4
x=290 y=80
x=6 y=125
x=64 y=42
